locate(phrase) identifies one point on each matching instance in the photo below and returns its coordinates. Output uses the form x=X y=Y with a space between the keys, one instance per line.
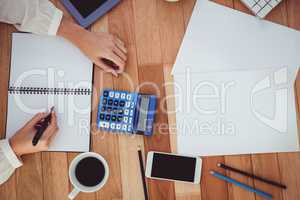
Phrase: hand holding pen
x=21 y=142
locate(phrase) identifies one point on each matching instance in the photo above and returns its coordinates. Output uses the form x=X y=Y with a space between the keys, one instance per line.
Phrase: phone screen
x=173 y=167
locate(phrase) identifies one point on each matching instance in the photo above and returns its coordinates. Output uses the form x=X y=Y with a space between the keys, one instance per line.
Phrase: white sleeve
x=35 y=16
x=8 y=161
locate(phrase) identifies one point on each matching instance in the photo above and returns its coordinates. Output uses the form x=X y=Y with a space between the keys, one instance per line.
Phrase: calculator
x=126 y=112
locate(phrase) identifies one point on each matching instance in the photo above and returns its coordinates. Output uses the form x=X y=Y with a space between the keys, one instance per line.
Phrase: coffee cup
x=88 y=172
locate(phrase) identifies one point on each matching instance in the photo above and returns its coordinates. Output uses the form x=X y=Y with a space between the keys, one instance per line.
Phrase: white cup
x=78 y=187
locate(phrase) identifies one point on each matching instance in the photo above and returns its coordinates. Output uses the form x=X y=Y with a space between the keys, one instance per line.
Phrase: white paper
x=51 y=62
x=236 y=112
x=220 y=38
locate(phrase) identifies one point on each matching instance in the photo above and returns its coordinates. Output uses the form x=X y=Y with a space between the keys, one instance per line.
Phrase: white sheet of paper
x=220 y=38
x=236 y=112
x=51 y=62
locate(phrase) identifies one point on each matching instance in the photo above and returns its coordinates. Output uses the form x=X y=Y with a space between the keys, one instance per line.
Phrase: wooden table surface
x=153 y=31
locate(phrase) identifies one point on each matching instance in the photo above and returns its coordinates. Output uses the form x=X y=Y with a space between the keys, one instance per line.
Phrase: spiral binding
x=47 y=91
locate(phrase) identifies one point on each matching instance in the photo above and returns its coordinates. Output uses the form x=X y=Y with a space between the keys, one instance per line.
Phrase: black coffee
x=90 y=171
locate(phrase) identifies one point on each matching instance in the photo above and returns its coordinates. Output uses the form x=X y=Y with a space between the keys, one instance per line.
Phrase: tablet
x=87 y=12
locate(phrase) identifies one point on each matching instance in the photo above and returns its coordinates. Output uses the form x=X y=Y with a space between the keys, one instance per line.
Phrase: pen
x=41 y=127
x=242 y=185
x=251 y=175
x=143 y=173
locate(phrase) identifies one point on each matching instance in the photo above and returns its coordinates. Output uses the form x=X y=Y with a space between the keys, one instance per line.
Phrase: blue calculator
x=127 y=112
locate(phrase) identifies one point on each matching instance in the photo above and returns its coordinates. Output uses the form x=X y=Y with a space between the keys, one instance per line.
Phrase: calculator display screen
x=143 y=111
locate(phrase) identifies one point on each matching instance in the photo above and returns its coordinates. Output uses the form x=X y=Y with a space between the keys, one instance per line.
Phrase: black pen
x=251 y=175
x=41 y=127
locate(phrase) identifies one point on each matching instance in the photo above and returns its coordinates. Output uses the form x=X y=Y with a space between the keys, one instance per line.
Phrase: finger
x=50 y=139
x=37 y=117
x=120 y=53
x=52 y=128
x=120 y=44
x=118 y=40
x=117 y=60
x=106 y=67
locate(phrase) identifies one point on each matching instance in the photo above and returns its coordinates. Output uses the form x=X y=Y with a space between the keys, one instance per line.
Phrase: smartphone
x=166 y=166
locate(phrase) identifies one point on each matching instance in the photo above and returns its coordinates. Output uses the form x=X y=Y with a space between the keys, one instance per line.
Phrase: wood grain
x=153 y=31
x=171 y=29
x=147 y=32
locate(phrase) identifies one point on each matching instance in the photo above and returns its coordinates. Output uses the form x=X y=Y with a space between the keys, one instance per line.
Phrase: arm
x=21 y=143
x=42 y=17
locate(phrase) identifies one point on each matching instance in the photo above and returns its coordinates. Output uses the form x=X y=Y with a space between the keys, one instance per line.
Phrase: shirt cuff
x=54 y=25
x=10 y=154
x=42 y=18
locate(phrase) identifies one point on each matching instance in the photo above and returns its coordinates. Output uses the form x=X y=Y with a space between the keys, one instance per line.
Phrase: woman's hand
x=96 y=46
x=21 y=142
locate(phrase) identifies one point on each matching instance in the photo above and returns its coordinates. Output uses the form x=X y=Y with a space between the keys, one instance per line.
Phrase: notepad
x=49 y=71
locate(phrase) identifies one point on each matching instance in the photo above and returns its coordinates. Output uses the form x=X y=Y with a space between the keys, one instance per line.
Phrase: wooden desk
x=152 y=30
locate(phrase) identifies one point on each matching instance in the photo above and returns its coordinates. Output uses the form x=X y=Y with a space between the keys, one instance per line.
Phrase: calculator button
x=107 y=117
x=124 y=127
x=116 y=102
x=132 y=105
x=101 y=124
x=125 y=119
x=108 y=109
x=106 y=125
x=118 y=127
x=128 y=97
x=102 y=116
x=103 y=108
x=131 y=112
x=122 y=103
x=115 y=110
x=129 y=128
x=104 y=101
x=120 y=112
x=113 y=118
x=126 y=111
x=112 y=125
x=120 y=118
x=111 y=94
x=123 y=96
x=117 y=95
x=130 y=120
x=105 y=93
x=110 y=102
x=127 y=104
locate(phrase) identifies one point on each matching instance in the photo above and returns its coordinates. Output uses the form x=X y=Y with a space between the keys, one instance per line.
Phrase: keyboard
x=261 y=7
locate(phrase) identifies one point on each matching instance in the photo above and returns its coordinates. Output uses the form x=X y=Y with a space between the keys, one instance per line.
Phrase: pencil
x=251 y=175
x=143 y=173
x=242 y=185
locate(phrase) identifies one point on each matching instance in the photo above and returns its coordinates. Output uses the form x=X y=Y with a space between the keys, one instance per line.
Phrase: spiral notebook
x=49 y=71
